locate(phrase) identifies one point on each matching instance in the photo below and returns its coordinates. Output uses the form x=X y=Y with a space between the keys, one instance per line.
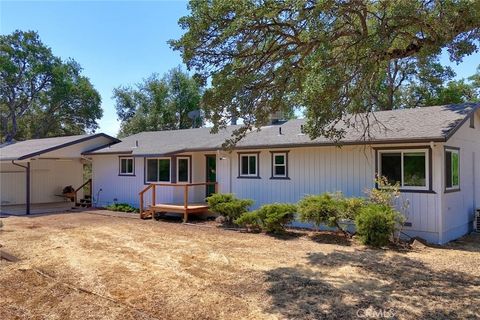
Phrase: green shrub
x=123 y=207
x=352 y=207
x=322 y=209
x=228 y=206
x=270 y=218
x=376 y=223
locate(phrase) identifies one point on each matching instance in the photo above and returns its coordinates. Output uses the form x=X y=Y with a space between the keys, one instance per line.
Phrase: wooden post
x=141 y=205
x=185 y=203
x=154 y=195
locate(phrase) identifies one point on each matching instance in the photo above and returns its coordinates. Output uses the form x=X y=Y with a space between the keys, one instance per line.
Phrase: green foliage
x=386 y=193
x=270 y=218
x=228 y=206
x=41 y=95
x=288 y=53
x=376 y=224
x=352 y=206
x=159 y=103
x=123 y=207
x=328 y=209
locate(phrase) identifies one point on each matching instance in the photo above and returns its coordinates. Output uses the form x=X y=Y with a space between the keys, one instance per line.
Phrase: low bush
x=270 y=218
x=228 y=206
x=376 y=224
x=123 y=207
x=326 y=209
x=352 y=207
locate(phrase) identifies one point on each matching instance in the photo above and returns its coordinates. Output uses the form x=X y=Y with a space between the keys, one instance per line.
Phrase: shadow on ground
x=345 y=285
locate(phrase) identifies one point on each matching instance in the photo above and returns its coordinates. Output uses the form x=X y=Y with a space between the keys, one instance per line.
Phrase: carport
x=34 y=173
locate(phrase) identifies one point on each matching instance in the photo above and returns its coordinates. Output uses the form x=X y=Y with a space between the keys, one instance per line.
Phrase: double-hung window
x=279 y=165
x=126 y=166
x=249 y=165
x=452 y=169
x=158 y=170
x=408 y=168
x=183 y=169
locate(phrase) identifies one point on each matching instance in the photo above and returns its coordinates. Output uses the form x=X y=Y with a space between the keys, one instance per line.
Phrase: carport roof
x=32 y=148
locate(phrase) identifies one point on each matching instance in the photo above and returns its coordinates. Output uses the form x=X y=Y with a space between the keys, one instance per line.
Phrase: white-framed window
x=409 y=168
x=183 y=169
x=126 y=166
x=452 y=169
x=279 y=164
x=157 y=170
x=248 y=165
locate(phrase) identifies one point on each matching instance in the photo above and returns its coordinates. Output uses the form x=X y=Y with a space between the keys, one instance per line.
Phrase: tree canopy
x=334 y=58
x=40 y=94
x=159 y=103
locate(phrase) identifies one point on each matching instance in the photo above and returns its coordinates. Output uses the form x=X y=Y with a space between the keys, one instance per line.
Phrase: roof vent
x=136 y=144
x=280 y=130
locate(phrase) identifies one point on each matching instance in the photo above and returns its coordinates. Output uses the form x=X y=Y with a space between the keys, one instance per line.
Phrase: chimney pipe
x=280 y=130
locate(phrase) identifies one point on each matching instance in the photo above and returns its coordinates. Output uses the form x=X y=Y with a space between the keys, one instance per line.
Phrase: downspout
x=27 y=171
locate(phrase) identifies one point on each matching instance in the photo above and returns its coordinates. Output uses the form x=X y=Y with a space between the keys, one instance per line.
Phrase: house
x=433 y=152
x=33 y=173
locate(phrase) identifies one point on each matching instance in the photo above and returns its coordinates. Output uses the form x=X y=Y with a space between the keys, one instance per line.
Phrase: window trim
x=126 y=174
x=189 y=180
x=428 y=166
x=453 y=188
x=146 y=168
x=273 y=175
x=257 y=172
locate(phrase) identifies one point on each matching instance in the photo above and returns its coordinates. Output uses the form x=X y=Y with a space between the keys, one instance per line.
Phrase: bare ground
x=89 y=266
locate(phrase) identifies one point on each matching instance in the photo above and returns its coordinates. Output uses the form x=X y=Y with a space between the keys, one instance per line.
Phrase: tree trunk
x=12 y=132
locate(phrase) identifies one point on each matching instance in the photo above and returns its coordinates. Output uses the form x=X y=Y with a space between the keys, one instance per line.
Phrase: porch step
x=147 y=214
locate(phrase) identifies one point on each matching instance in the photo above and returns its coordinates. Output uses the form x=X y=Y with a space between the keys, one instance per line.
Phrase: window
x=248 y=165
x=183 y=169
x=408 y=168
x=279 y=165
x=126 y=167
x=452 y=169
x=158 y=170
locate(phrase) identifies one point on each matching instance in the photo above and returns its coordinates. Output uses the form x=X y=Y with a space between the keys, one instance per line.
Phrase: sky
x=118 y=42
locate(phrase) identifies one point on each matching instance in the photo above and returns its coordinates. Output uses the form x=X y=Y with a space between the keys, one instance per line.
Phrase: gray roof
x=168 y=142
x=425 y=124
x=30 y=148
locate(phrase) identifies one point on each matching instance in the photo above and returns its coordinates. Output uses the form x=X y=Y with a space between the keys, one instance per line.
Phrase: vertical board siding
x=48 y=178
x=315 y=170
x=459 y=207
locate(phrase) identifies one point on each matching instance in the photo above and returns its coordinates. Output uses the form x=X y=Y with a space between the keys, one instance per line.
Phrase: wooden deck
x=185 y=208
x=192 y=208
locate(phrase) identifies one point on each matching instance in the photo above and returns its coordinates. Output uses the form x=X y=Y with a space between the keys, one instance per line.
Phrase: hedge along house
x=33 y=173
x=433 y=152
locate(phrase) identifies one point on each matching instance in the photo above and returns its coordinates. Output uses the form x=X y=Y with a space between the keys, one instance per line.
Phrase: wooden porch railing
x=185 y=186
x=89 y=182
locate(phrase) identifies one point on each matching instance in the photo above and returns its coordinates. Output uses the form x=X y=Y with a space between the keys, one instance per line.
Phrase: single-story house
x=433 y=152
x=33 y=173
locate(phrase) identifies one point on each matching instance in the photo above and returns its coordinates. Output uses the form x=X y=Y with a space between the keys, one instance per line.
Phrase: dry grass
x=87 y=266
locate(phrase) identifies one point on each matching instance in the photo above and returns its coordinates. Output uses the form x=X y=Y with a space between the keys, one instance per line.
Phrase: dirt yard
x=89 y=266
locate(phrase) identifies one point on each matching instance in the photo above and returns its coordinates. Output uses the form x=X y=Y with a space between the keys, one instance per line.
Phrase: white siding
x=109 y=187
x=350 y=170
x=48 y=178
x=458 y=207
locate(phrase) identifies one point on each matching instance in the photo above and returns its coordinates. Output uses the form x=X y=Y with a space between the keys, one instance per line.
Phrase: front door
x=211 y=173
